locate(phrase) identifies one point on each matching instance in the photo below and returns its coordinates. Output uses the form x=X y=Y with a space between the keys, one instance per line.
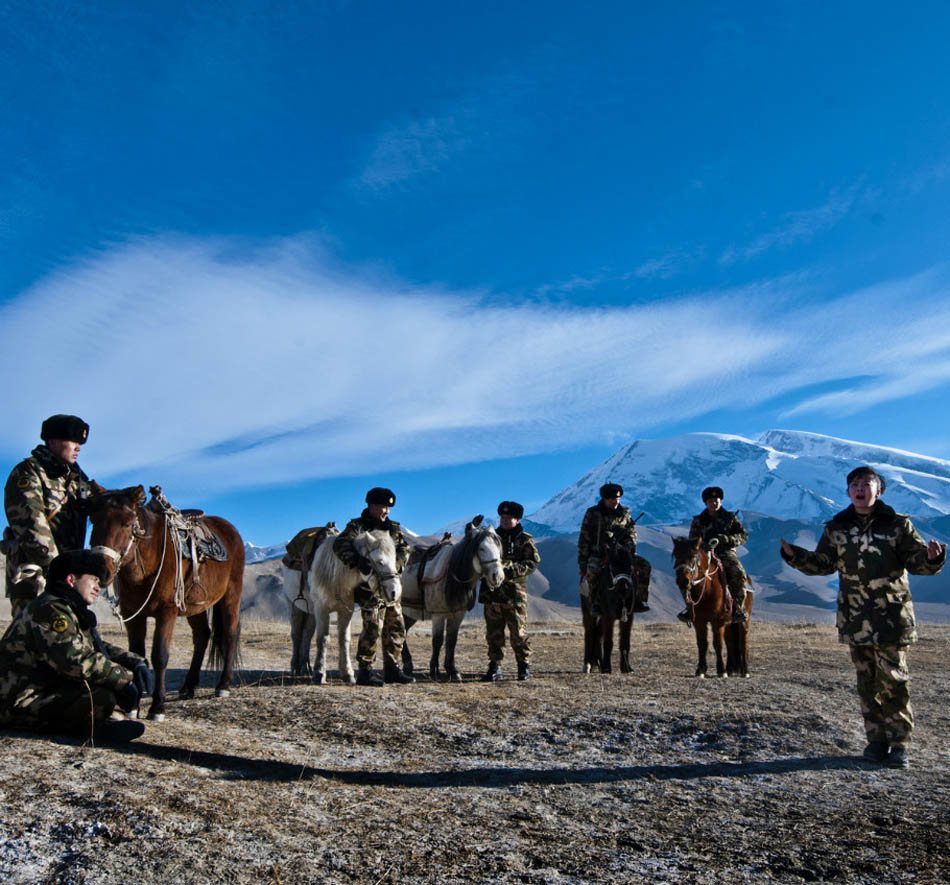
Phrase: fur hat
x=67 y=427
x=713 y=492
x=870 y=473
x=79 y=562
x=611 y=490
x=380 y=496
x=510 y=508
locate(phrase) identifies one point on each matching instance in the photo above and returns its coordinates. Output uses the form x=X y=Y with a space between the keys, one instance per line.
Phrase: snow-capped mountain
x=254 y=553
x=784 y=473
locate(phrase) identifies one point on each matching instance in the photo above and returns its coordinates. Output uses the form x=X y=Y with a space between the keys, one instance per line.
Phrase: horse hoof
x=222 y=693
x=319 y=678
x=700 y=675
x=156 y=717
x=186 y=694
x=349 y=679
x=455 y=677
x=586 y=669
x=745 y=675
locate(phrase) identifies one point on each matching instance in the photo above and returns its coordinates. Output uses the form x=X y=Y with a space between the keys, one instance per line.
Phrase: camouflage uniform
x=507 y=604
x=372 y=605
x=872 y=554
x=42 y=502
x=55 y=668
x=724 y=526
x=591 y=543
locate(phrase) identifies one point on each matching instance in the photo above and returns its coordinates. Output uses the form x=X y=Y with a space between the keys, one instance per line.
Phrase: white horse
x=331 y=586
x=448 y=591
x=300 y=552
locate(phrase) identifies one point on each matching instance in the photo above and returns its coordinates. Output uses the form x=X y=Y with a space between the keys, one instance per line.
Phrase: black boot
x=685 y=618
x=494 y=672
x=392 y=673
x=639 y=606
x=366 y=676
x=524 y=674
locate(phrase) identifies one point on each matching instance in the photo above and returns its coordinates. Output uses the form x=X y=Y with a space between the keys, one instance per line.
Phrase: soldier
x=873 y=548
x=58 y=674
x=43 y=501
x=376 y=516
x=728 y=532
x=602 y=520
x=507 y=604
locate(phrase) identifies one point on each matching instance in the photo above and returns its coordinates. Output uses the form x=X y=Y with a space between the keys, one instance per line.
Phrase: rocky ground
x=651 y=776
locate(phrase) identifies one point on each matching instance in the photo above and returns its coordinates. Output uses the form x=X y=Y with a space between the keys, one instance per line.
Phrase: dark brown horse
x=701 y=577
x=615 y=598
x=140 y=542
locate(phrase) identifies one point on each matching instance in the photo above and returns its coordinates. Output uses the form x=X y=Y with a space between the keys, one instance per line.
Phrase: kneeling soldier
x=723 y=526
x=58 y=674
x=507 y=604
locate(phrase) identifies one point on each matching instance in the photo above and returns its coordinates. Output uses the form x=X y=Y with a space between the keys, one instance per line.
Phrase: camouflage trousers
x=515 y=618
x=883 y=688
x=394 y=634
x=65 y=707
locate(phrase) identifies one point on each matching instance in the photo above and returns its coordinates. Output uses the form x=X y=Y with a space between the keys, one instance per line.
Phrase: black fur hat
x=67 y=427
x=510 y=508
x=611 y=490
x=713 y=492
x=79 y=562
x=380 y=496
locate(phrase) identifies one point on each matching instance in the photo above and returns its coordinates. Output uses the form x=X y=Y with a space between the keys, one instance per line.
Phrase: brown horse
x=701 y=577
x=141 y=545
x=616 y=599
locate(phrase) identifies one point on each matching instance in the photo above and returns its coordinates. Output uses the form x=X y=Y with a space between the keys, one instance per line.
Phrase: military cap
x=382 y=497
x=67 y=427
x=510 y=508
x=611 y=490
x=713 y=492
x=79 y=562
x=870 y=473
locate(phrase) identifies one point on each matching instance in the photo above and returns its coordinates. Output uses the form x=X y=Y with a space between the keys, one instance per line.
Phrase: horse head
x=378 y=547
x=617 y=581
x=115 y=522
x=687 y=560
x=486 y=549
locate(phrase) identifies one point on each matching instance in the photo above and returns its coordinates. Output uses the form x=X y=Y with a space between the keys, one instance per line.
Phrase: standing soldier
x=43 y=502
x=375 y=516
x=507 y=604
x=56 y=671
x=728 y=532
x=873 y=548
x=603 y=520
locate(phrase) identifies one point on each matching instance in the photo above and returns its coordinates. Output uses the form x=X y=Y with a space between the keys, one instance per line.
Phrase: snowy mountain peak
x=784 y=473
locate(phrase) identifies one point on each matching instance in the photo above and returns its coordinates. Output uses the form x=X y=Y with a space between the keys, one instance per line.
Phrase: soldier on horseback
x=603 y=520
x=42 y=500
x=372 y=604
x=723 y=527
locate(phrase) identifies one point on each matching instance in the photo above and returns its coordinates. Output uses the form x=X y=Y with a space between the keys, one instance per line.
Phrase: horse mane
x=461 y=577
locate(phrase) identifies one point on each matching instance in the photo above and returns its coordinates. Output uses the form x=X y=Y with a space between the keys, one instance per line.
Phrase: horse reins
x=704 y=579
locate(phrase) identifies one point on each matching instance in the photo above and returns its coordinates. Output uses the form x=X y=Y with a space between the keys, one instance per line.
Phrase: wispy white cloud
x=225 y=366
x=796 y=227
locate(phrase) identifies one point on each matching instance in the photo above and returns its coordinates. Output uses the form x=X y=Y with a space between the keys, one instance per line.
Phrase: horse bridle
x=691 y=568
x=118 y=558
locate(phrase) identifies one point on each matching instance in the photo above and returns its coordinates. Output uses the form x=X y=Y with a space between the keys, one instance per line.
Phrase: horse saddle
x=421 y=556
x=196 y=540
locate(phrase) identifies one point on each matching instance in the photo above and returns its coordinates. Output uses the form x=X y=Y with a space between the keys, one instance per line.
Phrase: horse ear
x=138 y=493
x=477 y=521
x=96 y=488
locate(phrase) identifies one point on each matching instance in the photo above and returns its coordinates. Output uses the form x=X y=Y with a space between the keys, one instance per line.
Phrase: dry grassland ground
x=652 y=776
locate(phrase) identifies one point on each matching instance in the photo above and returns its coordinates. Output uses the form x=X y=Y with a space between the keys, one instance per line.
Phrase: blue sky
x=276 y=253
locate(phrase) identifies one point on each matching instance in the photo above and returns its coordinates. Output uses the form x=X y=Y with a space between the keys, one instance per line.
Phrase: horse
x=701 y=577
x=331 y=585
x=447 y=592
x=152 y=580
x=616 y=597
x=295 y=570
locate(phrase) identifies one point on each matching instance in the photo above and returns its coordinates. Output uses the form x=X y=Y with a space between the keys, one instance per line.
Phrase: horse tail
x=217 y=656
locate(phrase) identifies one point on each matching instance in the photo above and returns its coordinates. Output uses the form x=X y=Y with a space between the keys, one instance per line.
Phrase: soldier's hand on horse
x=128 y=697
x=935 y=549
x=144 y=680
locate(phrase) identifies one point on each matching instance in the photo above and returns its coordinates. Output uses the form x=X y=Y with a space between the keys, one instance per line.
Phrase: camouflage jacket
x=42 y=502
x=872 y=554
x=519 y=558
x=598 y=521
x=343 y=543
x=722 y=525
x=51 y=642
